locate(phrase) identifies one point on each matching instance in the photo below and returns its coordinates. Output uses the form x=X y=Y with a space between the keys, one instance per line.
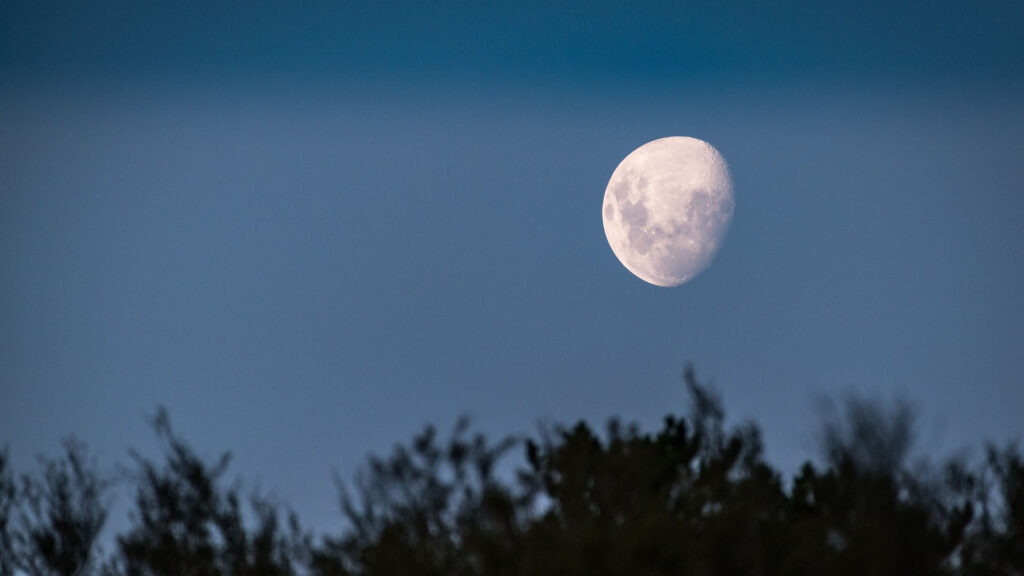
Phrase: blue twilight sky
x=309 y=230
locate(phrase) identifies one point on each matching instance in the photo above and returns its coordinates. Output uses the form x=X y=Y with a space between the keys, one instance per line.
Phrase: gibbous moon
x=667 y=208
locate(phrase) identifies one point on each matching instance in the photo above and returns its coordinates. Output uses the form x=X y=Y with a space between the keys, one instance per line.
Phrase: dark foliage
x=429 y=509
x=52 y=521
x=8 y=502
x=996 y=547
x=187 y=523
x=694 y=497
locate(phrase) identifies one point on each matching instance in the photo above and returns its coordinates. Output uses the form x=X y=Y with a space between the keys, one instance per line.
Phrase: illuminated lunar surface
x=667 y=209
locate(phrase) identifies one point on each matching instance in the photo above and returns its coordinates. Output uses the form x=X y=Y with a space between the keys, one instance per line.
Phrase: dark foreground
x=693 y=498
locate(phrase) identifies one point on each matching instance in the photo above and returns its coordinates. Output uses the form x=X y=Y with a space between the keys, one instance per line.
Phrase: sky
x=308 y=231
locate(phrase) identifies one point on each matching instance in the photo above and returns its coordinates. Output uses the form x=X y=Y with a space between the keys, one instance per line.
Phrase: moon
x=667 y=209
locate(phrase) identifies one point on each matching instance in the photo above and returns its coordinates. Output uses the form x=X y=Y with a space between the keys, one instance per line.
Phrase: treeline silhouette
x=693 y=498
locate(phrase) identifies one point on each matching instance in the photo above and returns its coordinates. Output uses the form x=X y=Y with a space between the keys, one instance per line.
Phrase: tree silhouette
x=431 y=509
x=995 y=546
x=186 y=523
x=8 y=505
x=60 y=514
x=867 y=512
x=693 y=497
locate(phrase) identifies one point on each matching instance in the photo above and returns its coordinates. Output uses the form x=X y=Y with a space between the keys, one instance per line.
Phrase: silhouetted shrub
x=187 y=523
x=8 y=505
x=51 y=522
x=694 y=497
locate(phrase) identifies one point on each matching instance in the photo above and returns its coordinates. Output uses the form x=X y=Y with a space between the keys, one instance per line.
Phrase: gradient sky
x=309 y=231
